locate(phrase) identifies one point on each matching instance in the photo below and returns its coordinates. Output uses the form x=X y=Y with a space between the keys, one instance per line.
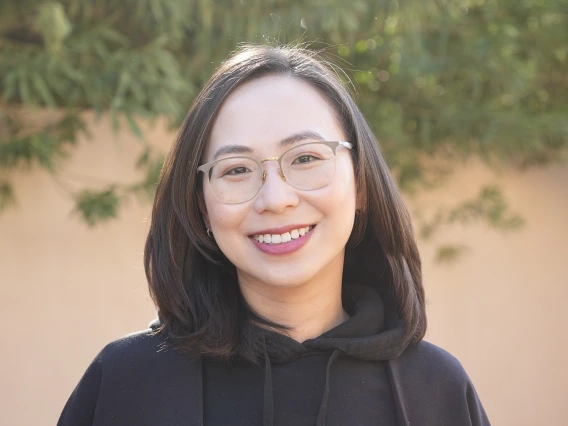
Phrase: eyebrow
x=287 y=141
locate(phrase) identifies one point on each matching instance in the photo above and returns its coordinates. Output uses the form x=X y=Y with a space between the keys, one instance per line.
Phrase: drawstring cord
x=268 y=412
x=267 y=415
x=323 y=405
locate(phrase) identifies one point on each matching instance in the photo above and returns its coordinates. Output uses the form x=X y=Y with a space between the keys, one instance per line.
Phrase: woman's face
x=258 y=115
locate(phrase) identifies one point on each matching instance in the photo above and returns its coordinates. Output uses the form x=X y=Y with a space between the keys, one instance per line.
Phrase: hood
x=373 y=333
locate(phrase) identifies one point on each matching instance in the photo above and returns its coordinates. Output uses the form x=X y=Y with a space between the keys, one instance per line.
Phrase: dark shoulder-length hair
x=194 y=286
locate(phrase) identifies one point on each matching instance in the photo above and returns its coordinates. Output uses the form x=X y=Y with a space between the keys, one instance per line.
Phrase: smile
x=273 y=243
x=286 y=237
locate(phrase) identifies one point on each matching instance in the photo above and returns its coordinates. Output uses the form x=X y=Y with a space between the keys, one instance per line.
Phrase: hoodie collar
x=372 y=332
x=365 y=335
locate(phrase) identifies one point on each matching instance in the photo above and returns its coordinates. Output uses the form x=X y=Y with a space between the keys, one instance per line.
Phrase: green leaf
x=450 y=253
x=144 y=158
x=53 y=24
x=42 y=89
x=10 y=86
x=134 y=127
x=95 y=207
x=7 y=198
x=112 y=34
x=24 y=88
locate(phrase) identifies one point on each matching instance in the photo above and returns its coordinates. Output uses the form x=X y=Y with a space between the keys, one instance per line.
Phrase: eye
x=307 y=158
x=237 y=171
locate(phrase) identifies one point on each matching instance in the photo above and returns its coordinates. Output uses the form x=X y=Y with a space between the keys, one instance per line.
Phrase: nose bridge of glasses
x=282 y=175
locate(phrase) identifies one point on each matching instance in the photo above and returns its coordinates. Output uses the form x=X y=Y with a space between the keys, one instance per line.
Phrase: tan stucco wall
x=67 y=290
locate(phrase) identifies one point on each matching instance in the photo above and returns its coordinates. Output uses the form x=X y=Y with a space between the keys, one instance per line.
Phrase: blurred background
x=468 y=99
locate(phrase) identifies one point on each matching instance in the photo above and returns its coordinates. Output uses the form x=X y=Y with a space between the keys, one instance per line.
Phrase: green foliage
x=150 y=162
x=448 y=78
x=45 y=147
x=97 y=206
x=489 y=206
x=6 y=196
x=450 y=253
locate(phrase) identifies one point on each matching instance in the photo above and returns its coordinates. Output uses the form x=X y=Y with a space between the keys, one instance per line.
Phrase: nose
x=275 y=195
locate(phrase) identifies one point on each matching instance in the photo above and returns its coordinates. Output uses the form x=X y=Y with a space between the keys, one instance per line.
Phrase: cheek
x=223 y=217
x=345 y=187
x=338 y=200
x=346 y=203
x=226 y=221
x=225 y=225
x=219 y=214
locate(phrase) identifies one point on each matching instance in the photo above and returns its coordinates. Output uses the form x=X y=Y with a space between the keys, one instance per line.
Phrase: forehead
x=262 y=112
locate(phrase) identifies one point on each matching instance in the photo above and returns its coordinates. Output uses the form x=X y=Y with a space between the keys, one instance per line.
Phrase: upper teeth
x=282 y=238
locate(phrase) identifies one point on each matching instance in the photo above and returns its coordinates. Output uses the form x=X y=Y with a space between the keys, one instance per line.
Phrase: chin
x=283 y=277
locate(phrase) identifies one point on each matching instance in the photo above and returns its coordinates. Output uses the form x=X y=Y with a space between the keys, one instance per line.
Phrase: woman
x=284 y=268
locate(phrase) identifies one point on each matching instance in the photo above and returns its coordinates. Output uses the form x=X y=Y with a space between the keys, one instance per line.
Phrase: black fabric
x=451 y=398
x=268 y=413
x=362 y=372
x=359 y=392
x=320 y=421
x=360 y=337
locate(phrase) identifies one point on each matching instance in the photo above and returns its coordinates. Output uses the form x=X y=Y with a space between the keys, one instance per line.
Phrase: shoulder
x=137 y=379
x=432 y=388
x=138 y=345
x=433 y=360
x=140 y=352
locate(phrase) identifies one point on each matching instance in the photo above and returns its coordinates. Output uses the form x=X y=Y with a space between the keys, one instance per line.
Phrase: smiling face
x=267 y=117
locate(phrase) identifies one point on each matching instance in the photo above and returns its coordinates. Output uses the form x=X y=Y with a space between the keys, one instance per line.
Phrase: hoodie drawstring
x=323 y=405
x=268 y=412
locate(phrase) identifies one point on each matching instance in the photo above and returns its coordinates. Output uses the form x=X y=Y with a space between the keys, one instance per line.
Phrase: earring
x=209 y=233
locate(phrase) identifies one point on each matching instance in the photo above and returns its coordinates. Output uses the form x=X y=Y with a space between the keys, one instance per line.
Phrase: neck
x=310 y=309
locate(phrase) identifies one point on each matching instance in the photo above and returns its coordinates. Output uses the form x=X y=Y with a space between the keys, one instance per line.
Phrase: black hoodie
x=362 y=372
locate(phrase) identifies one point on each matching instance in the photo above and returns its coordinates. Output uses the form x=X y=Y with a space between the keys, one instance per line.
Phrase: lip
x=284 y=248
x=281 y=230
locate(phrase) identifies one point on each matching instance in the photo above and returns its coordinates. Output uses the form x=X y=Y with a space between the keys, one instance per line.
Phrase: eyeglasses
x=307 y=167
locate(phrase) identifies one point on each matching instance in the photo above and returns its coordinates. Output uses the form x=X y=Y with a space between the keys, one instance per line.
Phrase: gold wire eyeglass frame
x=205 y=168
